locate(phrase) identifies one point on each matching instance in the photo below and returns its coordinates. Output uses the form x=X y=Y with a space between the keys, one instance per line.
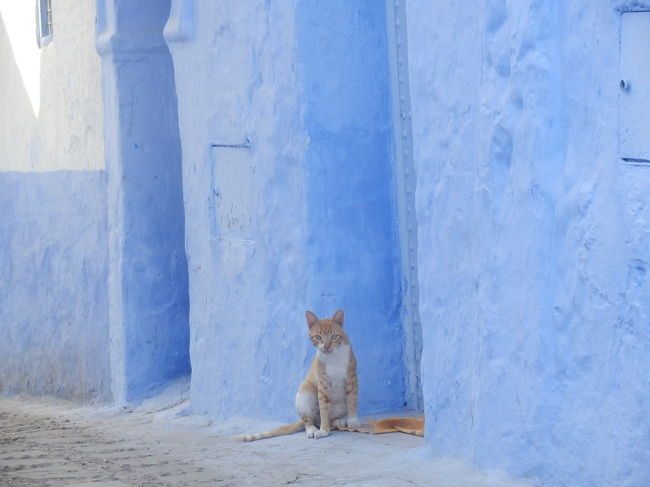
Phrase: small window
x=43 y=22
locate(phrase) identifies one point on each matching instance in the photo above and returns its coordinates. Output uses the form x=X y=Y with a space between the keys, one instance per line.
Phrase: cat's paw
x=353 y=422
x=340 y=423
x=311 y=430
x=321 y=434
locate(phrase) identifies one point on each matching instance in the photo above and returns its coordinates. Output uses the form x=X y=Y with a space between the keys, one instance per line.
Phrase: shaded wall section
x=148 y=290
x=353 y=258
x=532 y=241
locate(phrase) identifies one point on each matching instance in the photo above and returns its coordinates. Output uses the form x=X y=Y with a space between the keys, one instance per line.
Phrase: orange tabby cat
x=328 y=395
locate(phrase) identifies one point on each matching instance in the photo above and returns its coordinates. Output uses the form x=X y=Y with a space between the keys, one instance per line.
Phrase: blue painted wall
x=53 y=319
x=303 y=218
x=244 y=209
x=533 y=244
x=352 y=252
x=148 y=287
x=54 y=329
x=95 y=299
x=533 y=248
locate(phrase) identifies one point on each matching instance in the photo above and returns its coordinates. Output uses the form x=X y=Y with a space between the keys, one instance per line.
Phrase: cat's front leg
x=324 y=403
x=322 y=432
x=309 y=427
x=324 y=406
x=351 y=393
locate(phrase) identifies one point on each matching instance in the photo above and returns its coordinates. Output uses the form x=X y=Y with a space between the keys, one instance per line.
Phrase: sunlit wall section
x=50 y=98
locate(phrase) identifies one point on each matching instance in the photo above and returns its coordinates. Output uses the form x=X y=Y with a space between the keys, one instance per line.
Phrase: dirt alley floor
x=46 y=442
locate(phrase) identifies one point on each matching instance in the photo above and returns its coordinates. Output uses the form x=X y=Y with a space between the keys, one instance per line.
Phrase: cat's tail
x=282 y=430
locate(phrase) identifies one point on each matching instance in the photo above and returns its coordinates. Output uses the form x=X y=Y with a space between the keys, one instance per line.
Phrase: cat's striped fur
x=328 y=395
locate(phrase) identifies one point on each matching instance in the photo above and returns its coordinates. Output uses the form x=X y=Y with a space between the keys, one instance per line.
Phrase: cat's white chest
x=336 y=362
x=336 y=368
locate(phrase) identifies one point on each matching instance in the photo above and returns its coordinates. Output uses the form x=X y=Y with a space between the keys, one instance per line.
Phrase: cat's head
x=326 y=334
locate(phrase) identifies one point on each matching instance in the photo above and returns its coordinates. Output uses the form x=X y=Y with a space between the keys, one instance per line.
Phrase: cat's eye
x=318 y=337
x=335 y=337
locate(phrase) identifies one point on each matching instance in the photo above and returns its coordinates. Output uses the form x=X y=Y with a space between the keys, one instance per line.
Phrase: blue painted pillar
x=148 y=290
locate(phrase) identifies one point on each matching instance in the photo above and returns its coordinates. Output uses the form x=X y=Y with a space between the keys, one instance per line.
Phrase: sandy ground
x=55 y=443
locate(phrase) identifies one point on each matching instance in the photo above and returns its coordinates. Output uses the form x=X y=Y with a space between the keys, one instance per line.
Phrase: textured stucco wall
x=53 y=318
x=53 y=253
x=353 y=256
x=148 y=290
x=247 y=273
x=533 y=241
x=299 y=218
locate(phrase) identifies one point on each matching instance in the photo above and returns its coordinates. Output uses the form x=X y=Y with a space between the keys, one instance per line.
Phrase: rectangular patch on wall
x=232 y=208
x=634 y=88
x=233 y=197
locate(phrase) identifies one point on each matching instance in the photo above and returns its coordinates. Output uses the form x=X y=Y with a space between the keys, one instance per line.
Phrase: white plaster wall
x=50 y=100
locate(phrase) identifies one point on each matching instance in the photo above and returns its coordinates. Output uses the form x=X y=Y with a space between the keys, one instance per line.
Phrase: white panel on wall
x=634 y=98
x=231 y=207
x=233 y=192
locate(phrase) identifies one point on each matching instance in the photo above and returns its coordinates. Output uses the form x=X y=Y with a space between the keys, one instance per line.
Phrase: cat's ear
x=338 y=317
x=311 y=319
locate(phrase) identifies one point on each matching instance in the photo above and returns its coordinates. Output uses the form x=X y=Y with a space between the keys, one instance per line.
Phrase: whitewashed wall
x=51 y=104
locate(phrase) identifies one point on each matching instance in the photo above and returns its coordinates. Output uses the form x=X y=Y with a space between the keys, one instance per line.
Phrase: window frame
x=43 y=22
